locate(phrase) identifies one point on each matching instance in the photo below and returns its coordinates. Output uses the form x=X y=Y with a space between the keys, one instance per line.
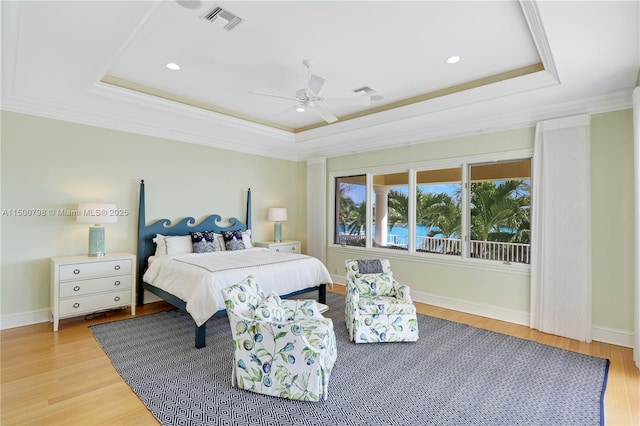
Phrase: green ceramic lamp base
x=96 y=241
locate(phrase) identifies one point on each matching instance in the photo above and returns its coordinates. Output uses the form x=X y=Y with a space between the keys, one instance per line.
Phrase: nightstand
x=83 y=284
x=285 y=246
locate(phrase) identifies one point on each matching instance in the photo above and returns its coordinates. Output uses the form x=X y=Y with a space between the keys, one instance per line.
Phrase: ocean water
x=401 y=232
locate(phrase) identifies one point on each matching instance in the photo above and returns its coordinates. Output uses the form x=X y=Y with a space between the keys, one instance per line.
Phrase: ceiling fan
x=310 y=97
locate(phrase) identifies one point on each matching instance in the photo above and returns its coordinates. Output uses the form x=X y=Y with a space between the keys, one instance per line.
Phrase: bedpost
x=248 y=221
x=141 y=258
x=322 y=293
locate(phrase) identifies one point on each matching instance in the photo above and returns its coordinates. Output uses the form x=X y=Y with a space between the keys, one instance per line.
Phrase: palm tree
x=398 y=208
x=351 y=215
x=496 y=207
x=448 y=218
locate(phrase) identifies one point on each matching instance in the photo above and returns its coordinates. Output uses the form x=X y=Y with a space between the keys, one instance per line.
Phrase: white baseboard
x=489 y=311
x=600 y=334
x=612 y=336
x=44 y=315
x=25 y=318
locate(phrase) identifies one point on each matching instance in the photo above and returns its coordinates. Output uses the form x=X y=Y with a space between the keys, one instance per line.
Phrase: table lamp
x=277 y=215
x=96 y=214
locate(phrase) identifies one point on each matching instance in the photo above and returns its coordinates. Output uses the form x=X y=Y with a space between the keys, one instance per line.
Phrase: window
x=470 y=210
x=390 y=210
x=439 y=211
x=351 y=210
x=500 y=205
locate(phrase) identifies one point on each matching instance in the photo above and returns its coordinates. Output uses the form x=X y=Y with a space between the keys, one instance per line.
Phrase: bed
x=192 y=281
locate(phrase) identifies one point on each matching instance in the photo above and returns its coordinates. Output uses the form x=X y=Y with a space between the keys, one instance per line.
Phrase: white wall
x=49 y=164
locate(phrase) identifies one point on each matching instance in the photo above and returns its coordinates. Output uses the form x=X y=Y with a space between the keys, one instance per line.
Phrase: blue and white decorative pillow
x=233 y=240
x=203 y=242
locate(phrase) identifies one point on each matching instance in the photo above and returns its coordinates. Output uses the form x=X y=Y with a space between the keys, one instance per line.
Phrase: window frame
x=412 y=168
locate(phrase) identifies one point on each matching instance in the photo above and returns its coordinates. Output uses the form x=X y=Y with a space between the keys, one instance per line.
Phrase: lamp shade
x=96 y=213
x=277 y=214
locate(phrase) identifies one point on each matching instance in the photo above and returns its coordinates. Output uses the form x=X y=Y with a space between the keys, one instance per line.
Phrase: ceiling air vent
x=364 y=91
x=223 y=18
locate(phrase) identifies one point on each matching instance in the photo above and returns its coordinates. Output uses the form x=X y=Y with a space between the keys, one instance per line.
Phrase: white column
x=382 y=197
x=316 y=208
x=636 y=168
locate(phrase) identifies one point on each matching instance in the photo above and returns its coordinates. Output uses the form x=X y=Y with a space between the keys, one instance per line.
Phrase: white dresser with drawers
x=83 y=285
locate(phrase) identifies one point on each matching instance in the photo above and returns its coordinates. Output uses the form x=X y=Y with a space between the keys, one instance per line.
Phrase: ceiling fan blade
x=354 y=100
x=275 y=96
x=315 y=85
x=324 y=113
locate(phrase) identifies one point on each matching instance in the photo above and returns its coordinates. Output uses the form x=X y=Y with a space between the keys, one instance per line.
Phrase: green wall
x=612 y=225
x=612 y=218
x=50 y=164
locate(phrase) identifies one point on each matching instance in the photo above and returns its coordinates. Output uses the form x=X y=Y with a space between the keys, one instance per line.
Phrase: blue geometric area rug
x=454 y=375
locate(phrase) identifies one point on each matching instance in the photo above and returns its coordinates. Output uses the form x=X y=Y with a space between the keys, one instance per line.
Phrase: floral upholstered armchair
x=283 y=348
x=377 y=307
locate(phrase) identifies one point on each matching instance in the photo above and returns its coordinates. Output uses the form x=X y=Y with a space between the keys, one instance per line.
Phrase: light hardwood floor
x=65 y=378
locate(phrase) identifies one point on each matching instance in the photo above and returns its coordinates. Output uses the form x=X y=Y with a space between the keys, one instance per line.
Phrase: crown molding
x=454 y=124
x=266 y=141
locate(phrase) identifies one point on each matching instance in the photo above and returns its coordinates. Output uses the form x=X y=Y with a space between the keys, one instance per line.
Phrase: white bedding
x=197 y=278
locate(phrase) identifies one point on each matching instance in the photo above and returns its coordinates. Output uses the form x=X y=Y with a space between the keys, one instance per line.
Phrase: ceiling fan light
x=300 y=108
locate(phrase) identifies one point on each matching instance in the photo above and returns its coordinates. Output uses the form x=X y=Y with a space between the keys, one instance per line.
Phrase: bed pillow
x=176 y=244
x=161 y=248
x=220 y=243
x=270 y=309
x=233 y=240
x=246 y=238
x=203 y=242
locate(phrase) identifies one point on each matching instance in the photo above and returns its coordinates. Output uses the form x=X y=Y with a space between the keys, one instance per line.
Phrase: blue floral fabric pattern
x=283 y=348
x=233 y=240
x=271 y=309
x=375 y=284
x=377 y=307
x=203 y=242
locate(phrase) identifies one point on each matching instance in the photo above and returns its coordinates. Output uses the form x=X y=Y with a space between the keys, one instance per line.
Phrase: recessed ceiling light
x=173 y=66
x=453 y=59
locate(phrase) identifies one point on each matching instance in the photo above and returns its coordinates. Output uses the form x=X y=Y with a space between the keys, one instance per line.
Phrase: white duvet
x=197 y=278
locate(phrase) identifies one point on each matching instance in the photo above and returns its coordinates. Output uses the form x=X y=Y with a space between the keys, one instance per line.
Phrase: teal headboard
x=146 y=233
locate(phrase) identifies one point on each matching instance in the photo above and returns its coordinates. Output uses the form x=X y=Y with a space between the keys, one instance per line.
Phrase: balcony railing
x=490 y=250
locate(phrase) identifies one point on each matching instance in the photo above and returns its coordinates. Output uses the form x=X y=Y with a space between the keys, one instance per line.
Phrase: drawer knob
x=76 y=305
x=117 y=267
x=116 y=283
x=116 y=299
x=76 y=288
x=76 y=271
